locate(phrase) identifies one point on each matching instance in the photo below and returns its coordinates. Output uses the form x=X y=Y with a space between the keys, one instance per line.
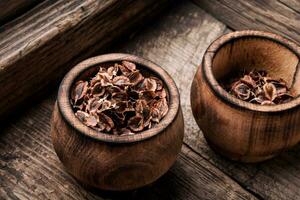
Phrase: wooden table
x=176 y=40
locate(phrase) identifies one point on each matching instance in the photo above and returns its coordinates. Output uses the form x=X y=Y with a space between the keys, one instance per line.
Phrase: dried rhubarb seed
x=270 y=91
x=242 y=91
x=119 y=100
x=105 y=121
x=135 y=77
x=121 y=81
x=97 y=90
x=136 y=123
x=257 y=87
x=129 y=65
x=79 y=91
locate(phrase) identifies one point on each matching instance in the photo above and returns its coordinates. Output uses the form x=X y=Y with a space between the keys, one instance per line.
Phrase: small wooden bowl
x=237 y=129
x=112 y=162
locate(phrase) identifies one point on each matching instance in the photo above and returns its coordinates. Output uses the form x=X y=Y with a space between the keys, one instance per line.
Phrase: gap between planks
x=279 y=16
x=177 y=42
x=195 y=27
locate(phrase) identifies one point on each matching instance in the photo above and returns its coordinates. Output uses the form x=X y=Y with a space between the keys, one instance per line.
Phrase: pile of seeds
x=120 y=100
x=257 y=87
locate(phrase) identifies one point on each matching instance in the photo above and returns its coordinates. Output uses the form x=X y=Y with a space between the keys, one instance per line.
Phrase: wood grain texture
x=180 y=50
x=112 y=166
x=11 y=9
x=29 y=167
x=34 y=49
x=279 y=16
x=84 y=69
x=246 y=132
x=109 y=161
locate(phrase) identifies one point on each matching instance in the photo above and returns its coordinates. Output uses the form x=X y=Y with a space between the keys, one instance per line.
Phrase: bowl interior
x=248 y=53
x=88 y=68
x=93 y=70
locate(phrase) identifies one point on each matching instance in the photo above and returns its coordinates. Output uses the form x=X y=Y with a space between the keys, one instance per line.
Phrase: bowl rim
x=64 y=105
x=220 y=92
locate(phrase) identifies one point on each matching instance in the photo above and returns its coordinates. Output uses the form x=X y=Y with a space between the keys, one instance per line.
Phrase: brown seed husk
x=120 y=100
x=257 y=87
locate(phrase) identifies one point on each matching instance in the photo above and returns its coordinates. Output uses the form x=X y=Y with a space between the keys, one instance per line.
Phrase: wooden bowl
x=112 y=162
x=237 y=129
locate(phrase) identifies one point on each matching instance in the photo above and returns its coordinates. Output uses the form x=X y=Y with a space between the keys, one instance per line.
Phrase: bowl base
x=240 y=158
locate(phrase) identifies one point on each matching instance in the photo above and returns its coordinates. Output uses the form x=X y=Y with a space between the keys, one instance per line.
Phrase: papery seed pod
x=263 y=89
x=81 y=115
x=105 y=121
x=124 y=71
x=159 y=82
x=133 y=95
x=113 y=89
x=124 y=106
x=242 y=91
x=148 y=96
x=135 y=77
x=91 y=121
x=155 y=115
x=102 y=69
x=162 y=106
x=147 y=116
x=255 y=75
x=79 y=90
x=161 y=94
x=121 y=106
x=93 y=105
x=136 y=123
x=125 y=131
x=129 y=65
x=248 y=81
x=81 y=106
x=112 y=71
x=97 y=90
x=150 y=84
x=119 y=100
x=119 y=117
x=119 y=96
x=121 y=81
x=283 y=98
x=105 y=78
x=106 y=105
x=270 y=91
x=141 y=104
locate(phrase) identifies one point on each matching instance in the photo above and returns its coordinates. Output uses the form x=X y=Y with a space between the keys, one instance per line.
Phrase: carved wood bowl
x=237 y=129
x=112 y=162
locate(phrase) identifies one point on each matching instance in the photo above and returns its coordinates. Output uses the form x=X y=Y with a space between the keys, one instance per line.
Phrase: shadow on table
x=164 y=188
x=276 y=176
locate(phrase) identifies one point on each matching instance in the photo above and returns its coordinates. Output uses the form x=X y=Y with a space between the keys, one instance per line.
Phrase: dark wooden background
x=176 y=39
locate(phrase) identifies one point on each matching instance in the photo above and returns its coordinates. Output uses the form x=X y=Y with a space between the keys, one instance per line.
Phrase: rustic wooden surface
x=279 y=16
x=11 y=9
x=257 y=135
x=35 y=49
x=135 y=163
x=29 y=168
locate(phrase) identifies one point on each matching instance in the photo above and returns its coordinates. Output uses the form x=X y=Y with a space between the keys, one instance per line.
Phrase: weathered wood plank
x=29 y=167
x=279 y=16
x=274 y=179
x=179 y=51
x=10 y=9
x=34 y=49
